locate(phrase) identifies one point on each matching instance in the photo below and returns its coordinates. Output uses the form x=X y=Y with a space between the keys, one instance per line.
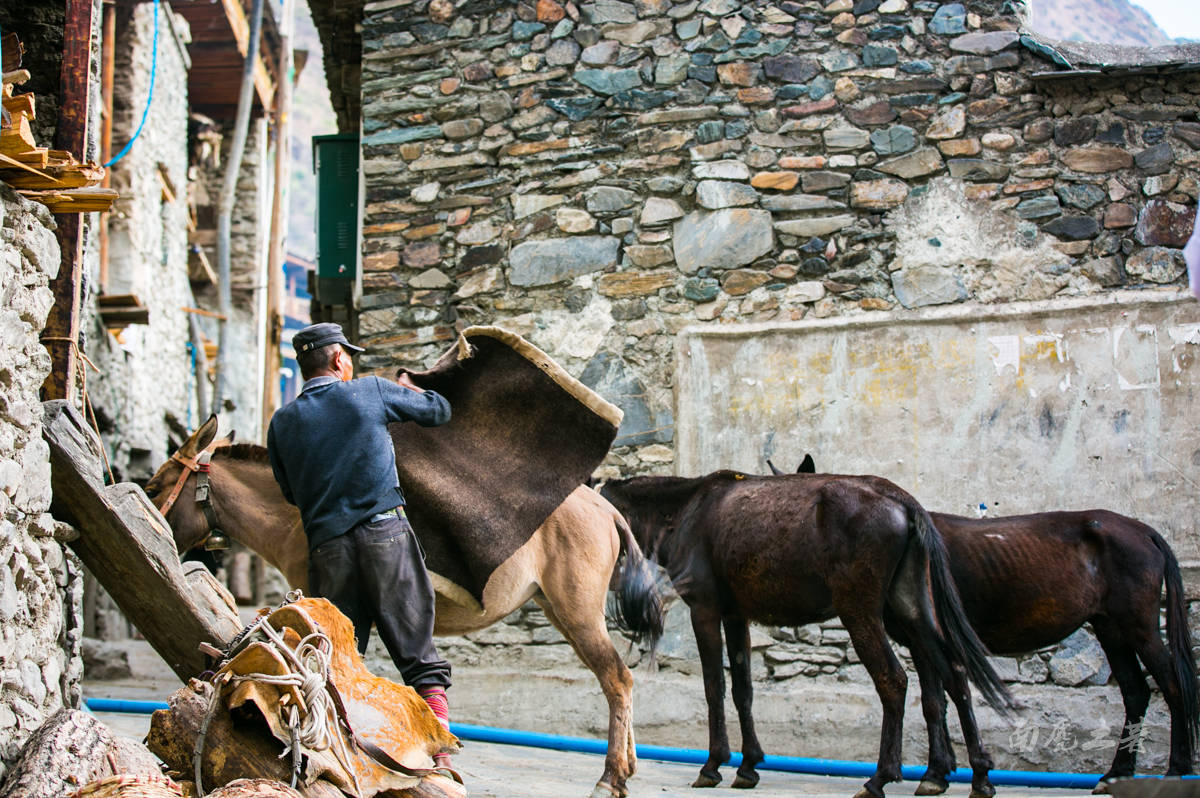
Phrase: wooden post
x=276 y=255
x=62 y=325
x=127 y=544
x=108 y=48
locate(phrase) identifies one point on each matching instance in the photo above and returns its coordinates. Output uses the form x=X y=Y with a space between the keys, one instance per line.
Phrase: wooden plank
x=18 y=138
x=16 y=77
x=38 y=157
x=13 y=49
x=55 y=178
x=124 y=316
x=8 y=162
x=126 y=543
x=239 y=24
x=116 y=300
x=73 y=201
x=20 y=104
x=199 y=269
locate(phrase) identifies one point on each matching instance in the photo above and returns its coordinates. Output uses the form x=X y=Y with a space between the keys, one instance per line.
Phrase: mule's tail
x=1179 y=640
x=638 y=610
x=962 y=644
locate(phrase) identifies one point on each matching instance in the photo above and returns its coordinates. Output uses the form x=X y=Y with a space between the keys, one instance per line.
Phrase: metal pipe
x=814 y=766
x=225 y=202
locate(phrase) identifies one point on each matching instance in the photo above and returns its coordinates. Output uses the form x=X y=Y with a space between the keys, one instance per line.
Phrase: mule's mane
x=249 y=452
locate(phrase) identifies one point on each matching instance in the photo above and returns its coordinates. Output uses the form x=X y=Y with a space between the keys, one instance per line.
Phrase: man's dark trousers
x=376 y=573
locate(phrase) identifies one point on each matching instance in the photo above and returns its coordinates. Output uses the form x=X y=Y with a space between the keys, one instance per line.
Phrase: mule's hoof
x=704 y=780
x=741 y=782
x=865 y=793
x=605 y=790
x=932 y=787
x=985 y=792
x=1101 y=788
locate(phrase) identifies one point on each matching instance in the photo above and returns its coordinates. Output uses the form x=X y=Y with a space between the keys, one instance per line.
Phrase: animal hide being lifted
x=523 y=435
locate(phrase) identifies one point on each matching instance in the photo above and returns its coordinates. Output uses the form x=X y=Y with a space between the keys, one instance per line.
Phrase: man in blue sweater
x=333 y=458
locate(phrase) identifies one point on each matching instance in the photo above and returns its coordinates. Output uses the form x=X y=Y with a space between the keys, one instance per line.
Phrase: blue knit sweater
x=332 y=454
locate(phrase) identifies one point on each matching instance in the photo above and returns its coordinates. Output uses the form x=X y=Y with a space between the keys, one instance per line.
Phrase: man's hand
x=405 y=381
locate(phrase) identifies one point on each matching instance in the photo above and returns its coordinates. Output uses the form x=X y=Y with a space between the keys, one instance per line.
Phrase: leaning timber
x=126 y=543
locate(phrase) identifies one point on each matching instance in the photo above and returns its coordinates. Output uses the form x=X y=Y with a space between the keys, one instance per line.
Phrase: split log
x=241 y=747
x=254 y=788
x=243 y=751
x=70 y=750
x=127 y=544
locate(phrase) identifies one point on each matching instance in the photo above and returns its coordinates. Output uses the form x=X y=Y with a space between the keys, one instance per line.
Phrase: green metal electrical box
x=339 y=241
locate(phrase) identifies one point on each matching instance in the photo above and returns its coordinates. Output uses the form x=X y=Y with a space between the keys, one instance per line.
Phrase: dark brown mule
x=800 y=549
x=1028 y=581
x=567 y=567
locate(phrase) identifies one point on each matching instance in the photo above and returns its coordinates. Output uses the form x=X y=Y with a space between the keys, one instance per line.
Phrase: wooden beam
x=239 y=24
x=71 y=201
x=127 y=544
x=62 y=324
x=108 y=49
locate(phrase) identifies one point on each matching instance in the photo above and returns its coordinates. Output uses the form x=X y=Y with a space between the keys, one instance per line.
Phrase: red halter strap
x=190 y=466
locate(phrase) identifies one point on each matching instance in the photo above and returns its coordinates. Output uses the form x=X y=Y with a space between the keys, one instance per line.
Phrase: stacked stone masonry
x=598 y=176
x=40 y=579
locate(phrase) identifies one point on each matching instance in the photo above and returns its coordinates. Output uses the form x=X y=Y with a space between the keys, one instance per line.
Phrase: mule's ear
x=200 y=439
x=774 y=470
x=807 y=466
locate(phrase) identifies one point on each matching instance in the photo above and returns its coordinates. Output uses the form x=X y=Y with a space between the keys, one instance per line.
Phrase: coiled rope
x=311 y=726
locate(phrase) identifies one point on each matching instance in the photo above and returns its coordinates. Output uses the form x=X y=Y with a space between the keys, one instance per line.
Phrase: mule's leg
x=706 y=623
x=589 y=637
x=737 y=641
x=933 y=705
x=1157 y=659
x=891 y=683
x=981 y=763
x=1135 y=694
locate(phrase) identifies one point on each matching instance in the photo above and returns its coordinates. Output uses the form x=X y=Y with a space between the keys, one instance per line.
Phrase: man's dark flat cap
x=316 y=336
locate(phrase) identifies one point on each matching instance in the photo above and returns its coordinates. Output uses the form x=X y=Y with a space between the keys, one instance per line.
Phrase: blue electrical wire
x=149 y=95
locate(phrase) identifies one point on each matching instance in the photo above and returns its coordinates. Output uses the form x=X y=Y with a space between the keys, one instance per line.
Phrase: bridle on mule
x=201 y=466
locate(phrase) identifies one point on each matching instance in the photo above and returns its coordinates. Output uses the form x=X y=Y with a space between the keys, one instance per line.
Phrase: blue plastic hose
x=692 y=756
x=149 y=95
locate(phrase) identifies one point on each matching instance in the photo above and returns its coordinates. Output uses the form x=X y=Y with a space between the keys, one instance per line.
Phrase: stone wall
x=598 y=180
x=40 y=579
x=144 y=391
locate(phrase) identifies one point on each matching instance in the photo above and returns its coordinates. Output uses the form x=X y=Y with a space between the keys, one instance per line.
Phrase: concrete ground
x=503 y=771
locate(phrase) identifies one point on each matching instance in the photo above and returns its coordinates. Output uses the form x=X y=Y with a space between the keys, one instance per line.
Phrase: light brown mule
x=566 y=567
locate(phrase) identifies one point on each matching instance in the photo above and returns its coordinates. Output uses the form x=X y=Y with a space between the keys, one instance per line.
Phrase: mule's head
x=173 y=487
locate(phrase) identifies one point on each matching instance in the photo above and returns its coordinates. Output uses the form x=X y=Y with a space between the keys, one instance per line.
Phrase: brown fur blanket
x=523 y=434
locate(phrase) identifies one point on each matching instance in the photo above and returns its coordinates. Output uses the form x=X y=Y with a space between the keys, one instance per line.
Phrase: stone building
x=696 y=205
x=142 y=375
x=41 y=581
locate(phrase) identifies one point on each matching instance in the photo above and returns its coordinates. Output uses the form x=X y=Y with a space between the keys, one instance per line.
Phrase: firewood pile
x=54 y=178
